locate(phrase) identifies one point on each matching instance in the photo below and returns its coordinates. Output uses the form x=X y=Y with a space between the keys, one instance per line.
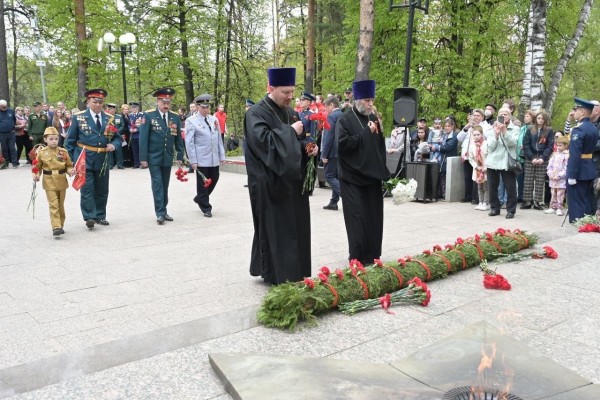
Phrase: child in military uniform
x=54 y=163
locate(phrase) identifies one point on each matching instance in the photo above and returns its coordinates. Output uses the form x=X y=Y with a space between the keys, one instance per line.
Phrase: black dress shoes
x=510 y=215
x=208 y=214
x=56 y=231
x=90 y=223
x=102 y=222
x=331 y=206
x=160 y=220
x=537 y=206
x=168 y=217
x=493 y=213
x=526 y=206
x=465 y=200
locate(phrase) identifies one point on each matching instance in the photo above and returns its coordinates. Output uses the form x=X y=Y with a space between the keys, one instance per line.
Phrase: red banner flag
x=80 y=169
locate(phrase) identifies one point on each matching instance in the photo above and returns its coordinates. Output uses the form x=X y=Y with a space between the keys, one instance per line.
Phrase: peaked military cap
x=249 y=103
x=111 y=105
x=96 y=94
x=134 y=104
x=307 y=96
x=37 y=103
x=164 y=93
x=203 y=99
x=588 y=105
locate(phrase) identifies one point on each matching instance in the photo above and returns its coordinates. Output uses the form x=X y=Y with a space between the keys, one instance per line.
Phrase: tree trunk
x=188 y=85
x=4 y=89
x=584 y=15
x=218 y=47
x=15 y=82
x=309 y=79
x=228 y=52
x=535 y=57
x=82 y=59
x=365 y=40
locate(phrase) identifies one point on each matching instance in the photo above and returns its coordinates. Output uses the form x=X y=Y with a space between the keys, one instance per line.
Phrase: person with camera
x=502 y=145
x=348 y=100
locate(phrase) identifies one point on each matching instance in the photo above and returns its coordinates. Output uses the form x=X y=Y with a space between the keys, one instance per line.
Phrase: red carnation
x=427 y=252
x=309 y=282
x=550 y=252
x=34 y=162
x=322 y=277
x=207 y=182
x=437 y=247
x=587 y=228
x=402 y=261
x=460 y=240
x=325 y=270
x=497 y=282
x=386 y=302
x=340 y=274
x=35 y=170
x=449 y=246
x=378 y=262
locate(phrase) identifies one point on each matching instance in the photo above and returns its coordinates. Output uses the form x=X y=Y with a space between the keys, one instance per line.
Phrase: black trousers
x=202 y=193
x=471 y=192
x=510 y=185
x=363 y=216
x=23 y=142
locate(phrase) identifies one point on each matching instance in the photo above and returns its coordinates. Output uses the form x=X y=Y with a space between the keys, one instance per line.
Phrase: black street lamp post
x=126 y=41
x=411 y=5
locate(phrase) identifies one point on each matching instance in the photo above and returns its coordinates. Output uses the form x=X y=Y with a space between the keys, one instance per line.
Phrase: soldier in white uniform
x=205 y=151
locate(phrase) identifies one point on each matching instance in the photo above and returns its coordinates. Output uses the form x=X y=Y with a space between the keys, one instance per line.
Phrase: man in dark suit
x=329 y=151
x=160 y=136
x=94 y=132
x=581 y=171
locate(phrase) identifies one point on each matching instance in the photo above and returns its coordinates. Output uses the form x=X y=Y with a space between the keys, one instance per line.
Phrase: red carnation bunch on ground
x=416 y=292
x=589 y=228
x=181 y=175
x=492 y=280
x=497 y=282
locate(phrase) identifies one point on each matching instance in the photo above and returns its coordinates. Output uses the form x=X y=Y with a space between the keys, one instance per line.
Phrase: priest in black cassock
x=361 y=170
x=276 y=161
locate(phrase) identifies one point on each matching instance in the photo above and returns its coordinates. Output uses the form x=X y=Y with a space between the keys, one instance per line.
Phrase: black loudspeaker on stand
x=406 y=103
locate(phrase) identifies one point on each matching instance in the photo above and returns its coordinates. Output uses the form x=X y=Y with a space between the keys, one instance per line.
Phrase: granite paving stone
x=134 y=278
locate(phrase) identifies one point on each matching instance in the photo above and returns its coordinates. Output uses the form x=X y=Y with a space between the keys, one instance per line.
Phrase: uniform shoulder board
x=79 y=113
x=151 y=110
x=173 y=112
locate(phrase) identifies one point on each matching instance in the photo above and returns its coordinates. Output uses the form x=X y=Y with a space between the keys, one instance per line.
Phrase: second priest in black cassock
x=276 y=161
x=361 y=170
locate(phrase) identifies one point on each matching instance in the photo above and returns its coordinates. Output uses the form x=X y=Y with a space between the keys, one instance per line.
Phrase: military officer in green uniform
x=94 y=132
x=160 y=138
x=37 y=123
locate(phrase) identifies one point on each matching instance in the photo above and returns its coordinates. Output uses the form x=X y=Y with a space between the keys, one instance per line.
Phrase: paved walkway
x=132 y=310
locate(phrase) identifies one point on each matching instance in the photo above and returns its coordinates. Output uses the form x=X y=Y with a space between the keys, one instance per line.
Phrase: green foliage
x=465 y=53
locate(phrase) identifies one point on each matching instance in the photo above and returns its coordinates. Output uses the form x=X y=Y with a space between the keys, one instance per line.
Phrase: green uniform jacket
x=37 y=125
x=158 y=141
x=83 y=130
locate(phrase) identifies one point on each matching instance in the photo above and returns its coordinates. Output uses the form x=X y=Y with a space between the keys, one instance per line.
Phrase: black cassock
x=275 y=162
x=361 y=170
